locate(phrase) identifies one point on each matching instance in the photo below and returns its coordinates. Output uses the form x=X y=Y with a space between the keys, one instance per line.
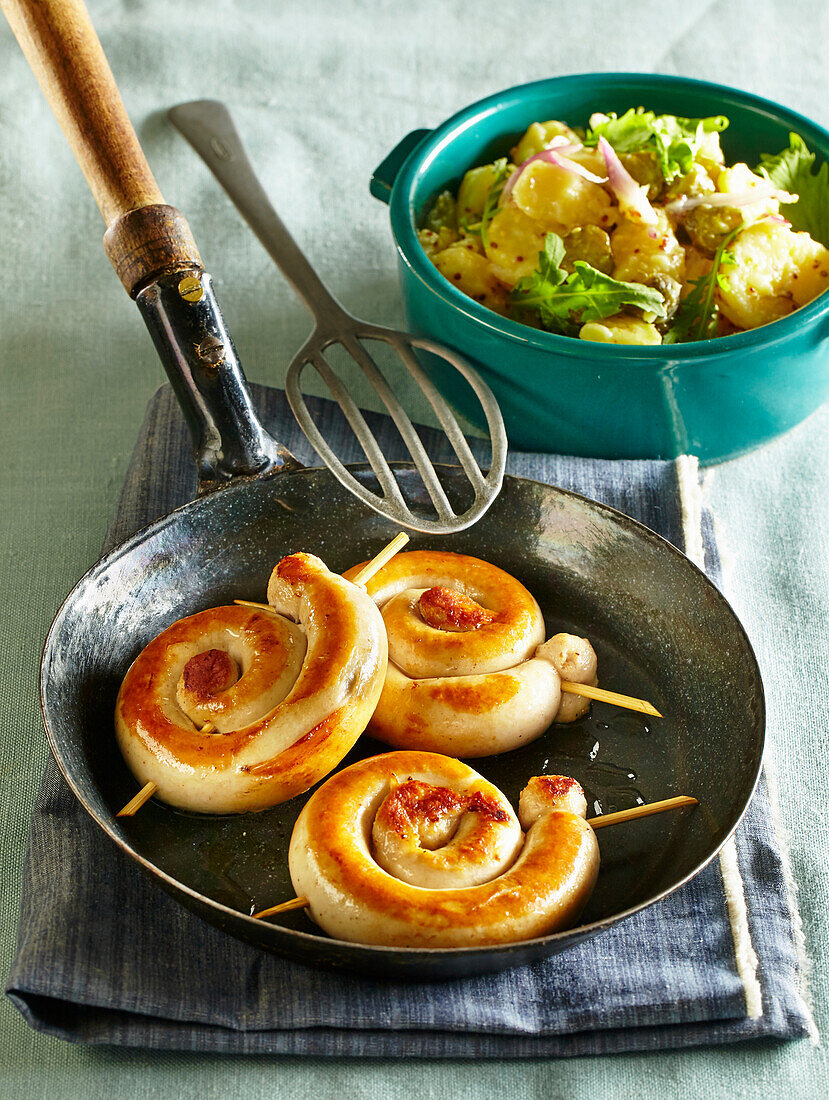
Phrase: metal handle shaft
x=192 y=340
x=209 y=128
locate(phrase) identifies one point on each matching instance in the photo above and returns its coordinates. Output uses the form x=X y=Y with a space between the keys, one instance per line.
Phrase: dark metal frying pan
x=661 y=630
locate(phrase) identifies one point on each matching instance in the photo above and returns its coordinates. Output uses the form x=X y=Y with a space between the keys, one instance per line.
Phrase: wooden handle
x=62 y=48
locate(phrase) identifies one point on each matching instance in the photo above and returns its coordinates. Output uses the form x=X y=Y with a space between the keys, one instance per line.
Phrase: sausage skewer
x=600 y=822
x=377 y=562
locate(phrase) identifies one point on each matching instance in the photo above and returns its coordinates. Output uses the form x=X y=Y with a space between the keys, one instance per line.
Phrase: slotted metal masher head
x=208 y=127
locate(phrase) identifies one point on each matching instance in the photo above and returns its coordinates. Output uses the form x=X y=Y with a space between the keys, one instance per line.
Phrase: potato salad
x=635 y=231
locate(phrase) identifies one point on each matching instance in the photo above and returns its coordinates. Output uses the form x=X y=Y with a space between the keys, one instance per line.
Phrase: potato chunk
x=754 y=289
x=591 y=159
x=538 y=137
x=560 y=200
x=470 y=272
x=620 y=330
x=810 y=276
x=473 y=190
x=774 y=272
x=642 y=252
x=433 y=242
x=514 y=241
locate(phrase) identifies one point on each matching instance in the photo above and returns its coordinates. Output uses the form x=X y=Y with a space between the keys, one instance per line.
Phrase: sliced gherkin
x=591 y=244
x=443 y=213
x=708 y=226
x=645 y=169
x=670 y=289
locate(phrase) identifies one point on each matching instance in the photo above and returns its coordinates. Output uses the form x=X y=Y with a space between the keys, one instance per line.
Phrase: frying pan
x=661 y=629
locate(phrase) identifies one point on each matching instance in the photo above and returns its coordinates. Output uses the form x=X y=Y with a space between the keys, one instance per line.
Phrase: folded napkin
x=104 y=956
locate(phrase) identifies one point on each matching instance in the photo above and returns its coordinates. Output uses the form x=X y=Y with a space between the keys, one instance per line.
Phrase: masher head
x=441 y=519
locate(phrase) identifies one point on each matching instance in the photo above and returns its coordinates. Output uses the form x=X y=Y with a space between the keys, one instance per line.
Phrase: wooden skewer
x=381 y=559
x=627 y=701
x=135 y=804
x=284 y=907
x=258 y=606
x=596 y=822
x=365 y=574
x=642 y=811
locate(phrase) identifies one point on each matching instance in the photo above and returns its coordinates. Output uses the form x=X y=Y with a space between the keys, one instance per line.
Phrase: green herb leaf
x=674 y=140
x=565 y=301
x=794 y=171
x=698 y=312
x=627 y=134
x=727 y=259
x=503 y=171
x=550 y=261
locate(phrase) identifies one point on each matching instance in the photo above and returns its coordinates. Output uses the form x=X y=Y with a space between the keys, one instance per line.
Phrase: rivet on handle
x=191 y=290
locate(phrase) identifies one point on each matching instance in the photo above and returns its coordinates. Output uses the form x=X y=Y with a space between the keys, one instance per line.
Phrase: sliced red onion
x=775 y=219
x=555 y=153
x=632 y=199
x=747 y=197
x=559 y=158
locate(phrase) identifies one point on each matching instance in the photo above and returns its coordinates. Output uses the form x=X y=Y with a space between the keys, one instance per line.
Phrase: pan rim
x=581 y=931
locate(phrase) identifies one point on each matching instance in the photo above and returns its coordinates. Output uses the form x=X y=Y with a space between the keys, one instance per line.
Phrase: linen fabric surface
x=104 y=956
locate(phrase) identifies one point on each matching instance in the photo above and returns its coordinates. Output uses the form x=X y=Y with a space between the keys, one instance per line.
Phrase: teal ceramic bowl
x=715 y=398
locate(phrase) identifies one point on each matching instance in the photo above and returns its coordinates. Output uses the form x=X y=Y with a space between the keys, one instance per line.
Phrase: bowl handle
x=383 y=177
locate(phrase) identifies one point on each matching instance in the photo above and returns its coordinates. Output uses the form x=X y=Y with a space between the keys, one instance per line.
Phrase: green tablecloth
x=321 y=91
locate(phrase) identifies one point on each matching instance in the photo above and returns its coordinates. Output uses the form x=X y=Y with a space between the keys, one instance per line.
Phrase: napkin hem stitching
x=804 y=962
x=745 y=957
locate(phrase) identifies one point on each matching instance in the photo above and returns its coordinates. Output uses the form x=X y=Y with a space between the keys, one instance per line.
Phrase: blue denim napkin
x=105 y=957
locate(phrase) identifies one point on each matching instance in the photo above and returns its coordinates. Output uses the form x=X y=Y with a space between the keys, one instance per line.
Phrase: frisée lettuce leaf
x=794 y=170
x=673 y=140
